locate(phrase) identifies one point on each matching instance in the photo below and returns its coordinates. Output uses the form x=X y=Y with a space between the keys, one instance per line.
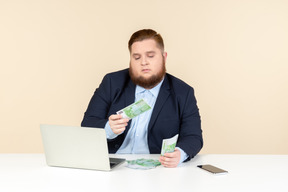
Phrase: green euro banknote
x=142 y=163
x=134 y=109
x=168 y=145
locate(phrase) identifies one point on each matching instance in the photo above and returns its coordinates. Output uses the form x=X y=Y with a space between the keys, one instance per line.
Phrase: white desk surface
x=29 y=172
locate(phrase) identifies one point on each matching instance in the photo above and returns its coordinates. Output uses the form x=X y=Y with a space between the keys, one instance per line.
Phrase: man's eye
x=150 y=56
x=136 y=58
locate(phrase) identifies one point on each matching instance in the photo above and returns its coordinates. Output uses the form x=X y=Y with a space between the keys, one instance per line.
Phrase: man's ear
x=165 y=56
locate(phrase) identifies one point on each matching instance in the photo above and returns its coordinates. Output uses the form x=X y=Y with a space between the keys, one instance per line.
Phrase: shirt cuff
x=184 y=155
x=109 y=132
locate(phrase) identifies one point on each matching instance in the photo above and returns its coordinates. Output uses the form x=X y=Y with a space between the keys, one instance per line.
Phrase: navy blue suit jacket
x=175 y=112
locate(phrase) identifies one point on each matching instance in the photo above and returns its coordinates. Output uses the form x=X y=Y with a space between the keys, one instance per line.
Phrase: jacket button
x=116 y=146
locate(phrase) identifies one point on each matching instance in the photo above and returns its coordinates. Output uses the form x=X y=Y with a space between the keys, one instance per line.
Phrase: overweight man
x=173 y=105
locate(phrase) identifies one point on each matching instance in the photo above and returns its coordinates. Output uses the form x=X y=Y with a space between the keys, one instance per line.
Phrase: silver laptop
x=77 y=147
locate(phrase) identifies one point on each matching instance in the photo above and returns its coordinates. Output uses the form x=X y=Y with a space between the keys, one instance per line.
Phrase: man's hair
x=145 y=34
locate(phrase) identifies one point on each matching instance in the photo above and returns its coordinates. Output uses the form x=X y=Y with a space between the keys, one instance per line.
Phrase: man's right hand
x=117 y=124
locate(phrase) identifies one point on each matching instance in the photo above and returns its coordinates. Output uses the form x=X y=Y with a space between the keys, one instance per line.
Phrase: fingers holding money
x=117 y=124
x=171 y=159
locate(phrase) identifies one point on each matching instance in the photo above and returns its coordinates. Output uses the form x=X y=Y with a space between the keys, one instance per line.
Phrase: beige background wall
x=53 y=54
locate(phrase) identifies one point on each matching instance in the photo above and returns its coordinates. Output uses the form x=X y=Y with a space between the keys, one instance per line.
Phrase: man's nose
x=144 y=61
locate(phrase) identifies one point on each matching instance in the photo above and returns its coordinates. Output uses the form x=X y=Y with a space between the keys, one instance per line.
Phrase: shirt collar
x=155 y=90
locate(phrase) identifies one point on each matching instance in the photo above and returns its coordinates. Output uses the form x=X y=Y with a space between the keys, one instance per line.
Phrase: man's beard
x=150 y=82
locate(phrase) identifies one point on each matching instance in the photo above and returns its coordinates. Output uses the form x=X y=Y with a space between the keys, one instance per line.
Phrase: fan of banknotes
x=143 y=163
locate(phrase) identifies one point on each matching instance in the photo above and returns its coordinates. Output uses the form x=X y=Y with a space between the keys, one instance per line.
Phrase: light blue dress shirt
x=136 y=141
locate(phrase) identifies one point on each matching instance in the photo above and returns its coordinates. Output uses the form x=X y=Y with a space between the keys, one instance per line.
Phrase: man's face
x=147 y=63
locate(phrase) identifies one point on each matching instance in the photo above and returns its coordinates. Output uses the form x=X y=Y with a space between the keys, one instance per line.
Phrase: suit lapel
x=161 y=99
x=129 y=99
x=130 y=93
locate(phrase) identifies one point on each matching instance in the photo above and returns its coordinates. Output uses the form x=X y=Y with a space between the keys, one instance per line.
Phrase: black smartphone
x=212 y=169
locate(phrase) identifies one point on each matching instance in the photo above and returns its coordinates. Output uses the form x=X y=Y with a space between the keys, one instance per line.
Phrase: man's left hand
x=171 y=159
